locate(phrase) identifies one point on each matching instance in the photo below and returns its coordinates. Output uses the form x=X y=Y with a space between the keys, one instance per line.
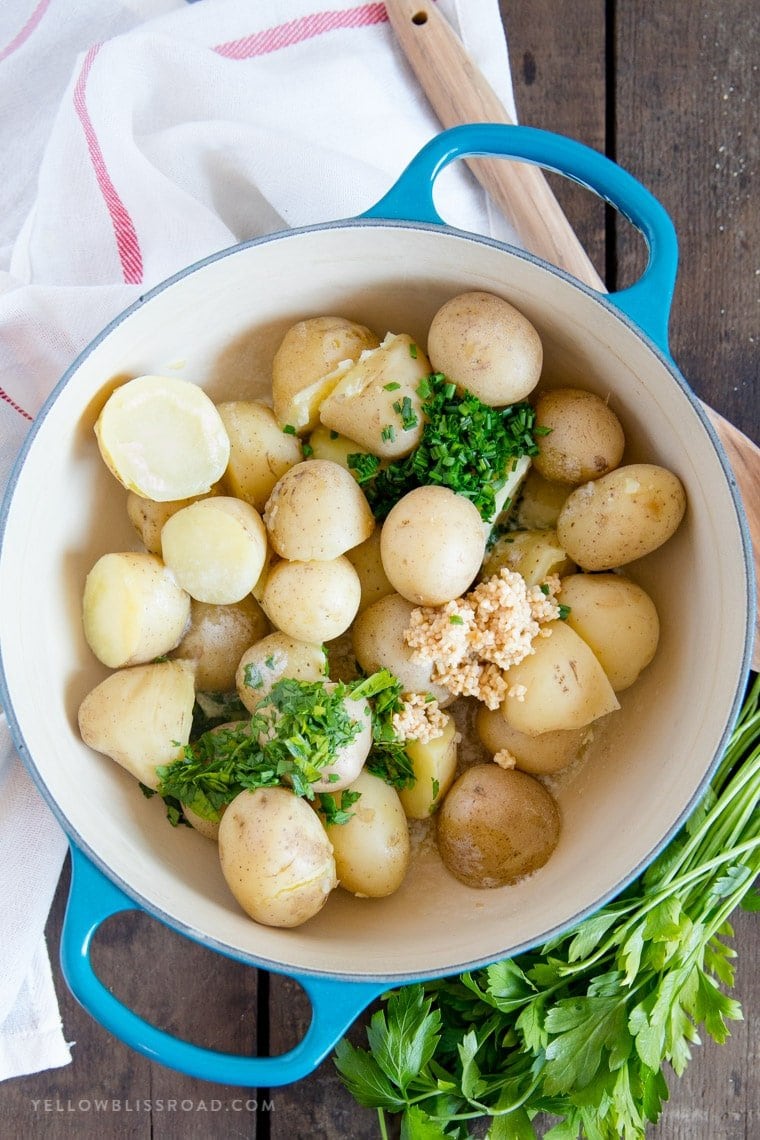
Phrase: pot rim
x=607 y=302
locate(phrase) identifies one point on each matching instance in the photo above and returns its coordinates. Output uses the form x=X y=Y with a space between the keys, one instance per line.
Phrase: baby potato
x=432 y=545
x=312 y=357
x=208 y=828
x=496 y=826
x=540 y=502
x=273 y=657
x=376 y=401
x=141 y=717
x=622 y=516
x=217 y=638
x=148 y=517
x=378 y=641
x=216 y=549
x=162 y=438
x=617 y=619
x=349 y=758
x=486 y=346
x=584 y=436
x=368 y=564
x=132 y=609
x=317 y=511
x=534 y=554
x=276 y=857
x=434 y=763
x=372 y=850
x=559 y=685
x=312 y=601
x=260 y=451
x=541 y=755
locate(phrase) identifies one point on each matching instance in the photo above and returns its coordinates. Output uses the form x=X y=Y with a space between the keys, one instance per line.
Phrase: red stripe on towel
x=305 y=28
x=16 y=407
x=123 y=227
x=26 y=31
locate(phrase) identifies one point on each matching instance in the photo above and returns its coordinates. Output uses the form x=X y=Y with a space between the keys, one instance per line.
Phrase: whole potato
x=368 y=564
x=378 y=641
x=617 y=618
x=496 y=826
x=216 y=639
x=624 y=515
x=372 y=850
x=271 y=659
x=584 y=438
x=377 y=403
x=312 y=601
x=260 y=451
x=317 y=511
x=276 y=857
x=132 y=609
x=485 y=345
x=432 y=545
x=559 y=685
x=540 y=755
x=310 y=360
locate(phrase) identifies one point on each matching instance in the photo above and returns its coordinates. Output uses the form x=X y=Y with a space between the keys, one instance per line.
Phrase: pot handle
x=335 y=1003
x=648 y=301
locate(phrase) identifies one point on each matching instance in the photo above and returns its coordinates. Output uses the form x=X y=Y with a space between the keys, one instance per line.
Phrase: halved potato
x=216 y=548
x=163 y=438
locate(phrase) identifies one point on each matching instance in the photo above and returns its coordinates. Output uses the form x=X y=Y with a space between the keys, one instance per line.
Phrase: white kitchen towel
x=139 y=136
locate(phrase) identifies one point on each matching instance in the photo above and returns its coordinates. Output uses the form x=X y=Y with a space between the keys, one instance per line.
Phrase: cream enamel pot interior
x=218 y=323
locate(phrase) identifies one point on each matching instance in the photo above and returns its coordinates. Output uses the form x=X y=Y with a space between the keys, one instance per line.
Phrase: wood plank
x=687 y=91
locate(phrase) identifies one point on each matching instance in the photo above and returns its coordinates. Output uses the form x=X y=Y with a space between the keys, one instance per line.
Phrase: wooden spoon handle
x=459 y=93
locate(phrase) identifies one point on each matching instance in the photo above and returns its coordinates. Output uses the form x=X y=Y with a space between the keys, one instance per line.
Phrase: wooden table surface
x=671 y=91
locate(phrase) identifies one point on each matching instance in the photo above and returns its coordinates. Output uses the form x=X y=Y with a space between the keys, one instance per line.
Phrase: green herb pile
x=293 y=734
x=466 y=446
x=582 y=1028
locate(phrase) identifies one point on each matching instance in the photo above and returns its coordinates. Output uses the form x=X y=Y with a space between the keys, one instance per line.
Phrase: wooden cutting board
x=459 y=93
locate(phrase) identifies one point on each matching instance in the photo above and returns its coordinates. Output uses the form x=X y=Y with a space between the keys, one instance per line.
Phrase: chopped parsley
x=335 y=810
x=564 y=612
x=307 y=450
x=466 y=446
x=294 y=734
x=456 y=619
x=392 y=387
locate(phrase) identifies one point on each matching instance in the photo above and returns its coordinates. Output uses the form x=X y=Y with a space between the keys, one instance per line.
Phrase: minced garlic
x=472 y=641
x=420 y=719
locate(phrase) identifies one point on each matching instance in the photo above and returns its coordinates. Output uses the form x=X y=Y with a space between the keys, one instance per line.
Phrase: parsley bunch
x=581 y=1028
x=466 y=446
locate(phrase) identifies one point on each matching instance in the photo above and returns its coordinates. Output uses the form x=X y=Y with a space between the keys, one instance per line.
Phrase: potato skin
x=622 y=516
x=560 y=685
x=216 y=639
x=271 y=659
x=617 y=619
x=305 y=368
x=485 y=345
x=432 y=545
x=317 y=511
x=496 y=826
x=541 y=755
x=276 y=857
x=312 y=601
x=372 y=850
x=260 y=451
x=584 y=437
